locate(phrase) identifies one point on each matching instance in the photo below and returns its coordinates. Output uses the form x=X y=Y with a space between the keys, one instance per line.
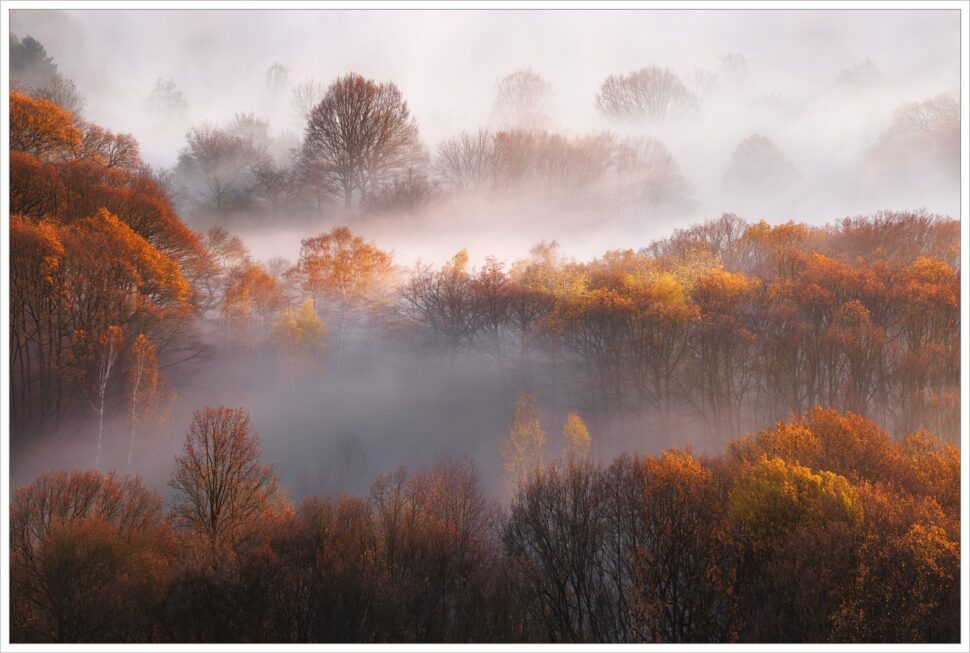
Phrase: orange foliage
x=41 y=128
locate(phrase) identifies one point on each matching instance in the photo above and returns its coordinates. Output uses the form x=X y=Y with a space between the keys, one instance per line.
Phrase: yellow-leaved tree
x=578 y=440
x=302 y=337
x=523 y=451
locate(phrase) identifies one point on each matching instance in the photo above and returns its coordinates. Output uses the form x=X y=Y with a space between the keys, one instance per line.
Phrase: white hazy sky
x=446 y=61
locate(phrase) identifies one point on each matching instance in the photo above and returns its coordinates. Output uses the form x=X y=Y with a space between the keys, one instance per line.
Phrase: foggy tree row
x=735 y=324
x=820 y=529
x=232 y=170
x=382 y=165
x=243 y=169
x=729 y=323
x=726 y=325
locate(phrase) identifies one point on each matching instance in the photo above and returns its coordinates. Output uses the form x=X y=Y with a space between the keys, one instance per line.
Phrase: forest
x=743 y=431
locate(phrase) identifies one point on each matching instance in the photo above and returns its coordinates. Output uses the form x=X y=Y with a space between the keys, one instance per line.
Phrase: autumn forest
x=742 y=428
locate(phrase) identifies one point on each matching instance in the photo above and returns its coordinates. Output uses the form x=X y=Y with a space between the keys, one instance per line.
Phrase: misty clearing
x=453 y=332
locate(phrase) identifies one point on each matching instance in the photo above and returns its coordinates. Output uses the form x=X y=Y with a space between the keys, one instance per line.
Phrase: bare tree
x=61 y=91
x=648 y=175
x=466 y=162
x=361 y=134
x=221 y=487
x=306 y=96
x=522 y=100
x=217 y=165
x=166 y=99
x=651 y=93
x=701 y=82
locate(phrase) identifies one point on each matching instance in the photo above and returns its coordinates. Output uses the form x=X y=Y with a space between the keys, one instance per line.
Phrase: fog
x=390 y=407
x=447 y=63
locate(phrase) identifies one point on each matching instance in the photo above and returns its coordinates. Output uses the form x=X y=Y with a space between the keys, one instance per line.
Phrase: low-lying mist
x=808 y=116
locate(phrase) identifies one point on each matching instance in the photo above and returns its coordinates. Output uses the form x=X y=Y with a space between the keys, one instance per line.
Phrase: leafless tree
x=522 y=100
x=649 y=175
x=651 y=93
x=701 y=82
x=61 y=91
x=361 y=134
x=217 y=165
x=306 y=96
x=466 y=162
x=166 y=100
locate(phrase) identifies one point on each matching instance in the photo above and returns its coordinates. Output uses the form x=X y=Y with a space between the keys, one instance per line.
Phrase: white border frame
x=5 y=490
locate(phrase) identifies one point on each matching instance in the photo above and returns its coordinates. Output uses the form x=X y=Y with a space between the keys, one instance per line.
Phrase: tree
x=555 y=537
x=906 y=587
x=41 y=128
x=306 y=96
x=275 y=183
x=70 y=183
x=218 y=166
x=522 y=100
x=107 y=348
x=433 y=545
x=523 y=452
x=466 y=162
x=113 y=151
x=577 y=437
x=344 y=272
x=252 y=297
x=721 y=346
x=411 y=191
x=145 y=393
x=359 y=135
x=276 y=81
x=682 y=571
x=166 y=100
x=759 y=166
x=303 y=340
x=790 y=520
x=661 y=324
x=35 y=73
x=923 y=141
x=651 y=93
x=443 y=301
x=88 y=558
x=221 y=488
x=648 y=176
x=29 y=62
x=62 y=92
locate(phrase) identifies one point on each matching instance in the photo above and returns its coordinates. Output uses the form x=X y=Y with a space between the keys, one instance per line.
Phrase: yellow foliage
x=772 y=497
x=523 y=452
x=577 y=437
x=302 y=332
x=793 y=442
